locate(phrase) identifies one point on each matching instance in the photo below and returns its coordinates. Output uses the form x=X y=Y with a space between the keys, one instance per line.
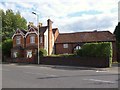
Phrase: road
x=34 y=76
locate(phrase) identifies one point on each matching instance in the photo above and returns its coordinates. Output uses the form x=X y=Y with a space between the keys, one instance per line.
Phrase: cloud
x=69 y=15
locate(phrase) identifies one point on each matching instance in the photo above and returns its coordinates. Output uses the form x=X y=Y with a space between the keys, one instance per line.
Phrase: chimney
x=49 y=23
x=40 y=24
x=30 y=24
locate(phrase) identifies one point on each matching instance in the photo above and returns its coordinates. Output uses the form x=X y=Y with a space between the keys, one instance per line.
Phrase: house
x=68 y=43
x=25 y=42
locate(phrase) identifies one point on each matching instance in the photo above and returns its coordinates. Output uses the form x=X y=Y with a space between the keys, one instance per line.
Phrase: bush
x=6 y=47
x=63 y=55
x=42 y=52
x=103 y=49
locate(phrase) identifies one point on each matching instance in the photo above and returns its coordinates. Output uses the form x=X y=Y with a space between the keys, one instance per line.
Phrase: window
x=18 y=40
x=32 y=39
x=76 y=48
x=29 y=54
x=41 y=39
x=65 y=45
x=15 y=54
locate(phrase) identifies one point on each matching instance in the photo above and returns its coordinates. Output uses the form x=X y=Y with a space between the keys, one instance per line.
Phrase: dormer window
x=18 y=40
x=32 y=39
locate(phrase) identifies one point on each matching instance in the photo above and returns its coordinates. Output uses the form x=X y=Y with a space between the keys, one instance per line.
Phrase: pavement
x=115 y=66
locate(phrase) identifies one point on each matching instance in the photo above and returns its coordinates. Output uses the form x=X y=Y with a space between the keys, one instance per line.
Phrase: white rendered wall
x=46 y=40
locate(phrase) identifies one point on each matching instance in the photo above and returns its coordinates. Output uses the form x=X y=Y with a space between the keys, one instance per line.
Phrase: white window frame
x=32 y=39
x=18 y=40
x=65 y=45
x=77 y=47
x=15 y=54
x=29 y=53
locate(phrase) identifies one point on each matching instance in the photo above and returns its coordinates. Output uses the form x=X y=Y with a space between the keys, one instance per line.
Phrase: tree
x=117 y=32
x=6 y=47
x=117 y=35
x=10 y=22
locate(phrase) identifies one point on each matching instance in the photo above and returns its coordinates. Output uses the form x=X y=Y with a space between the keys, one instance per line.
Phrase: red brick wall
x=60 y=50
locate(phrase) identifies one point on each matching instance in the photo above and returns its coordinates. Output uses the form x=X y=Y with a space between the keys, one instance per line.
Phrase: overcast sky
x=68 y=15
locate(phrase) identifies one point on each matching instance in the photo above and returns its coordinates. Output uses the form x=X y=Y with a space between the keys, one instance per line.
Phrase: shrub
x=6 y=47
x=95 y=50
x=63 y=55
x=103 y=49
x=42 y=52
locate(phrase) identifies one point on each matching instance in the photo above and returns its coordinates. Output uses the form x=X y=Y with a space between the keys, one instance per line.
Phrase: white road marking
x=100 y=80
x=101 y=71
x=41 y=74
x=31 y=73
x=4 y=70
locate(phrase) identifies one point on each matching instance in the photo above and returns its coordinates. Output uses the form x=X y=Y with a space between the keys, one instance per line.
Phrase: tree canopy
x=10 y=22
x=117 y=32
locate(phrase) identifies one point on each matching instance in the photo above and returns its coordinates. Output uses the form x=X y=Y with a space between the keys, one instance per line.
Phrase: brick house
x=25 y=41
x=68 y=43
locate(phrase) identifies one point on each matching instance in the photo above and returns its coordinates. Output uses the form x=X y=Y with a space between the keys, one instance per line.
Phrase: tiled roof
x=43 y=29
x=24 y=31
x=85 y=37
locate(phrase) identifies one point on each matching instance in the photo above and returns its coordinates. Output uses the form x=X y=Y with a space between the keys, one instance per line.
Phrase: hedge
x=42 y=52
x=103 y=49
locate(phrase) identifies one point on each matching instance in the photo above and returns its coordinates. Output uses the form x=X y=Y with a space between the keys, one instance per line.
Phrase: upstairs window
x=18 y=40
x=65 y=45
x=32 y=39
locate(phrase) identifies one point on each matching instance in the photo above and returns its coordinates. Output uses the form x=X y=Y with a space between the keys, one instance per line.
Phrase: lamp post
x=38 y=34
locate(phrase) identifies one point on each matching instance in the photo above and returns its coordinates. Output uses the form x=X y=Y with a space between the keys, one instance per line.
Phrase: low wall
x=22 y=60
x=76 y=61
x=69 y=61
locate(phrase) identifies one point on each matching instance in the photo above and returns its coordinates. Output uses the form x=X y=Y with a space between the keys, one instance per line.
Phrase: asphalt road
x=34 y=76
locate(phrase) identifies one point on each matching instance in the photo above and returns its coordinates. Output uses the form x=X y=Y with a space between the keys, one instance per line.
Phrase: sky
x=68 y=15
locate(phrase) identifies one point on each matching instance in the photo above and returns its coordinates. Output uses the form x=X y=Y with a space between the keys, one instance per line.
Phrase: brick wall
x=76 y=61
x=60 y=50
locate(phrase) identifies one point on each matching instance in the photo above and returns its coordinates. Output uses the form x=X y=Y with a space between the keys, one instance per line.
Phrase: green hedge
x=103 y=49
x=63 y=55
x=42 y=52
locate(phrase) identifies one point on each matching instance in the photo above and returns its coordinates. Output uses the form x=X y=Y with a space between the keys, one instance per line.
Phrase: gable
x=18 y=32
x=31 y=31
